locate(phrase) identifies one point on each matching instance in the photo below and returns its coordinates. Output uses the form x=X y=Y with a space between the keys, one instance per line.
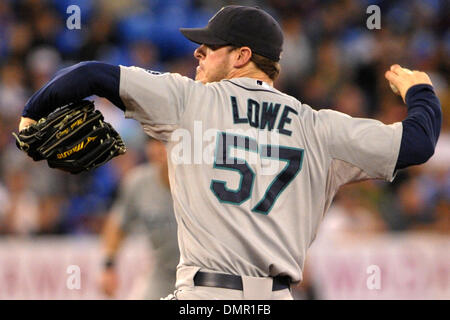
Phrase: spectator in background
x=351 y=213
x=90 y=195
x=145 y=55
x=42 y=63
x=406 y=207
x=21 y=212
x=351 y=100
x=297 y=53
x=101 y=37
x=442 y=222
x=144 y=200
x=13 y=94
x=20 y=40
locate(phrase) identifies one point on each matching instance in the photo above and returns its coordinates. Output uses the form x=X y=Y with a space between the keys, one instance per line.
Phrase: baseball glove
x=73 y=138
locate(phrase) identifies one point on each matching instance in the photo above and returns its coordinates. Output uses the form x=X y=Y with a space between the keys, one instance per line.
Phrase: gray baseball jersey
x=252 y=170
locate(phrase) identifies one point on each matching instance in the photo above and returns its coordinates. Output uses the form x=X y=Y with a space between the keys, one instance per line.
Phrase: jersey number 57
x=222 y=160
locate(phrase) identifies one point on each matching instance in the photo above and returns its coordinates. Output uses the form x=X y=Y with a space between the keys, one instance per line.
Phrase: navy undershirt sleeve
x=421 y=127
x=75 y=83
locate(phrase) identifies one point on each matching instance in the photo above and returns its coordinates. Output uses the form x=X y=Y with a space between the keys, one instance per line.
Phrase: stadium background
x=49 y=220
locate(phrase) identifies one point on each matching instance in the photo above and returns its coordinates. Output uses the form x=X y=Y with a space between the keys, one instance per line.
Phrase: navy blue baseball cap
x=241 y=26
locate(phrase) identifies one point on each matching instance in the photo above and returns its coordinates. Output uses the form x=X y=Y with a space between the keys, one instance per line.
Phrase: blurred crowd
x=330 y=60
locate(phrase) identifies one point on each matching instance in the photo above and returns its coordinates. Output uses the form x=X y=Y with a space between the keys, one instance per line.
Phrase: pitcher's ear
x=244 y=55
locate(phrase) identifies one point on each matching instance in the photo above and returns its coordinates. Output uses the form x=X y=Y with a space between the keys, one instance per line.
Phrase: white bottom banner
x=403 y=266
x=65 y=268
x=393 y=266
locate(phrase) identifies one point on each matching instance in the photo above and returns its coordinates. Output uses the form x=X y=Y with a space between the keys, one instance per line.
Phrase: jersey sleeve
x=367 y=144
x=156 y=100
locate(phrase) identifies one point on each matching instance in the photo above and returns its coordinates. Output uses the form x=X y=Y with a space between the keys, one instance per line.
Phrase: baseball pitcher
x=252 y=170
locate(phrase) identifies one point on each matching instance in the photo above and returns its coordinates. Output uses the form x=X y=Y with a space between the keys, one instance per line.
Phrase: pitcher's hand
x=402 y=79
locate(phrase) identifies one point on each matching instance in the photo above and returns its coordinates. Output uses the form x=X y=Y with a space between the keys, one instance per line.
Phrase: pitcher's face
x=214 y=63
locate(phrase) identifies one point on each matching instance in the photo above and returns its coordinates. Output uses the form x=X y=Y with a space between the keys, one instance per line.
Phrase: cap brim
x=202 y=36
